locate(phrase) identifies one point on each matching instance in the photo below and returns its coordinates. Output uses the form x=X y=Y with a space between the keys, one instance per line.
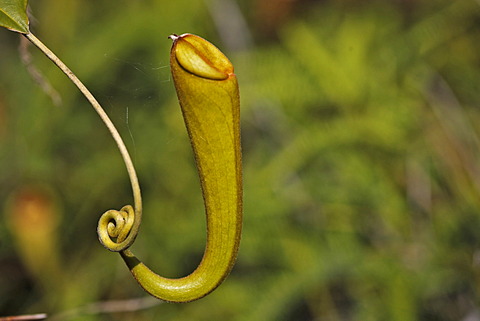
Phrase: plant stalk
x=106 y=120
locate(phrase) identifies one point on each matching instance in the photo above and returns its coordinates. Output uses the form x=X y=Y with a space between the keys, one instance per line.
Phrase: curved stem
x=207 y=90
x=113 y=131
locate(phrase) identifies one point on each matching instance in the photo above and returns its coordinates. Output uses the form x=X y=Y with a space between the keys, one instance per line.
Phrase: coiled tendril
x=116 y=229
x=207 y=90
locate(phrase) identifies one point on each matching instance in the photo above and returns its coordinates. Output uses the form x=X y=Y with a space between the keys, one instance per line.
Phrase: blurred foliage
x=361 y=159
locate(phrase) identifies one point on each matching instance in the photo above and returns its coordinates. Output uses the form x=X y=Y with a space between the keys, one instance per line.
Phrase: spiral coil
x=115 y=229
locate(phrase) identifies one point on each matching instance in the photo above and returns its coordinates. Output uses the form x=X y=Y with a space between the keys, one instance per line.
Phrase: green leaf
x=13 y=15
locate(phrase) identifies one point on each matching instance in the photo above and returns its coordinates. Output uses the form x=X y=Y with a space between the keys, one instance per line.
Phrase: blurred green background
x=361 y=160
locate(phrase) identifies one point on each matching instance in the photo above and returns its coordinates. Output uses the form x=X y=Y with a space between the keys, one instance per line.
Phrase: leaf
x=13 y=15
